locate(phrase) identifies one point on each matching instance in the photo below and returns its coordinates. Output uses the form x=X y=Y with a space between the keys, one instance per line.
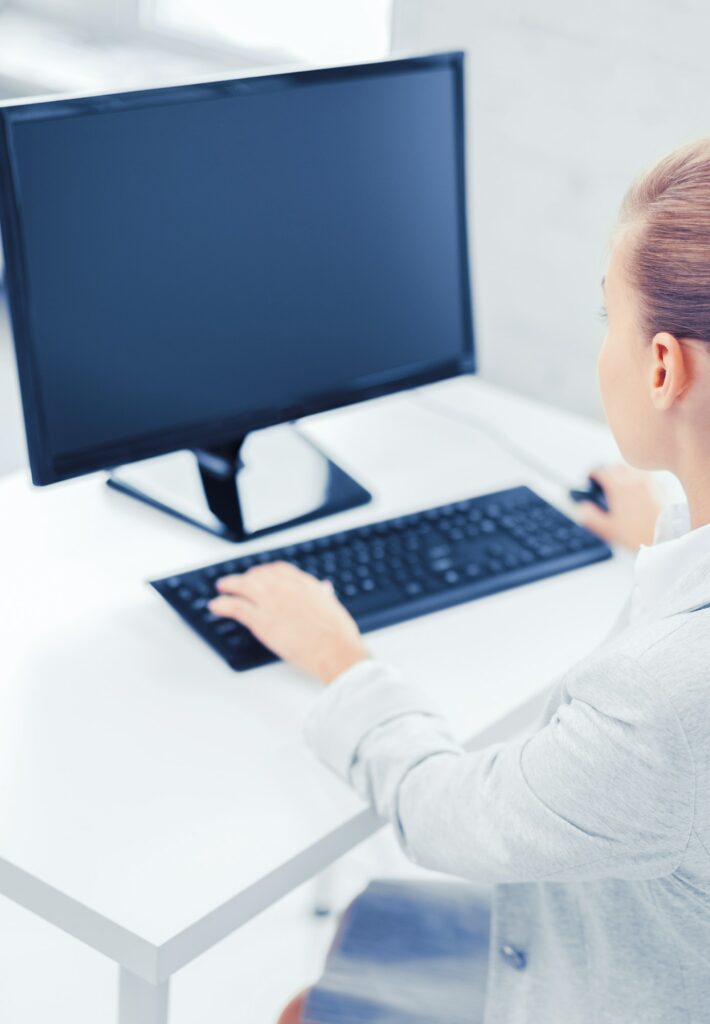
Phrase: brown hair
x=667 y=213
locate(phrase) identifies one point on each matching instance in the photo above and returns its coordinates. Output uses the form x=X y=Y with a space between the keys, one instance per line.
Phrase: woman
x=594 y=829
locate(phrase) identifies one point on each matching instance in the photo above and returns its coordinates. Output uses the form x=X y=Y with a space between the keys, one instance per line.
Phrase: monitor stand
x=265 y=481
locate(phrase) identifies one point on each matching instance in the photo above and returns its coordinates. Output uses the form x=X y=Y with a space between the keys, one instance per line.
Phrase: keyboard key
x=440 y=564
x=225 y=626
x=239 y=639
x=439 y=550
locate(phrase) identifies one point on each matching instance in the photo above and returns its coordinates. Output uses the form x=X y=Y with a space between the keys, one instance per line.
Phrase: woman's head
x=654 y=365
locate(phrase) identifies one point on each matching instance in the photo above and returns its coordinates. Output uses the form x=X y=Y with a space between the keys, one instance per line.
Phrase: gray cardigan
x=594 y=828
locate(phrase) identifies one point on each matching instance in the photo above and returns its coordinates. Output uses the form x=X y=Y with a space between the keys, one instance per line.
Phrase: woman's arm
x=605 y=789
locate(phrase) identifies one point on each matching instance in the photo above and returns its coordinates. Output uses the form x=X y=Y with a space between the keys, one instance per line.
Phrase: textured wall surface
x=566 y=104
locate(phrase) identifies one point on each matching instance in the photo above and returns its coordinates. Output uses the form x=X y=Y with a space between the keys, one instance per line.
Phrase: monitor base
x=267 y=481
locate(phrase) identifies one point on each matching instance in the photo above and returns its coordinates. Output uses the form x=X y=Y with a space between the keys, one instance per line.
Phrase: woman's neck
x=697 y=491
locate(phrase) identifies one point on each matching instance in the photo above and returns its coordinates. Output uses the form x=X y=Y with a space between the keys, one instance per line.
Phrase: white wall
x=567 y=102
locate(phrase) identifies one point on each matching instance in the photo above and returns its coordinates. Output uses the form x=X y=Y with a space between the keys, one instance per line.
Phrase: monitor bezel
x=48 y=467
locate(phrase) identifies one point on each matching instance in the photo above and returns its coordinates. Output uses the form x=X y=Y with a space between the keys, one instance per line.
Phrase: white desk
x=152 y=801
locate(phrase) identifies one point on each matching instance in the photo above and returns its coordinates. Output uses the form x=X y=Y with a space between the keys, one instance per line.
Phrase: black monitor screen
x=193 y=262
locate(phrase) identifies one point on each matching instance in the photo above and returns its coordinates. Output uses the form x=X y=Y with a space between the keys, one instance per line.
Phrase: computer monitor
x=190 y=264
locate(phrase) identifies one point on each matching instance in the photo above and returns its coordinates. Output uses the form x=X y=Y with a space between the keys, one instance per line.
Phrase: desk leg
x=140 y=1002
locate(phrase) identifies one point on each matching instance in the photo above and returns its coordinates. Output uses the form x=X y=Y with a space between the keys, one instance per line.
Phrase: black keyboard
x=397 y=569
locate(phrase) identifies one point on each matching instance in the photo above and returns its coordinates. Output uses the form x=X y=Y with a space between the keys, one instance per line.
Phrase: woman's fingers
x=238 y=583
x=294 y=614
x=264 y=586
x=633 y=506
x=252 y=584
x=596 y=519
x=238 y=608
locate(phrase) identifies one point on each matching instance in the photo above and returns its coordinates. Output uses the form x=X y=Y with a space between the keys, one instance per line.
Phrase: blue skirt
x=406 y=952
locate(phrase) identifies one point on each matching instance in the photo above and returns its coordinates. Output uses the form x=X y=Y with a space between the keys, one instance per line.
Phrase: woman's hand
x=634 y=503
x=295 y=615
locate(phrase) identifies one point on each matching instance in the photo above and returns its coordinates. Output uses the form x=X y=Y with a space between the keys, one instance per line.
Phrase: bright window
x=315 y=31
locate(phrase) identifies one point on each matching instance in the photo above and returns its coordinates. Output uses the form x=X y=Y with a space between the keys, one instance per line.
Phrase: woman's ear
x=670 y=370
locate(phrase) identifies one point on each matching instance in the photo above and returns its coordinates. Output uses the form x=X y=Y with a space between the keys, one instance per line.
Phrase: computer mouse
x=592 y=492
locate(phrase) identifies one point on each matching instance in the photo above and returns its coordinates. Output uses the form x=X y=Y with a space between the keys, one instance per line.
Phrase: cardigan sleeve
x=604 y=789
